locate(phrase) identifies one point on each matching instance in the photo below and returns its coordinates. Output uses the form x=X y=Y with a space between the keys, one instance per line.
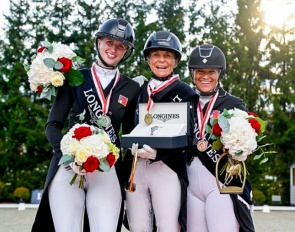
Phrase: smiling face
x=162 y=63
x=206 y=79
x=111 y=51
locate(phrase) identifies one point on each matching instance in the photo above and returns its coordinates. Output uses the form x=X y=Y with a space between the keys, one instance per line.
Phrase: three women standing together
x=170 y=195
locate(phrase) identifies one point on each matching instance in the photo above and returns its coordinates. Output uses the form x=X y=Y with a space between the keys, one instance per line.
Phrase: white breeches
x=158 y=194
x=208 y=210
x=101 y=195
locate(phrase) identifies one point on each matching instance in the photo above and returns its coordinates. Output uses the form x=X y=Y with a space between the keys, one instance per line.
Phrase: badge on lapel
x=123 y=100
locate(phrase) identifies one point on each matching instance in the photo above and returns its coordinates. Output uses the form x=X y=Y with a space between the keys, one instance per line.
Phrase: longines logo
x=166 y=117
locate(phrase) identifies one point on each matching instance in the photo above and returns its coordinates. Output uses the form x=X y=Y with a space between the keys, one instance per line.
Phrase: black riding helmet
x=163 y=40
x=207 y=56
x=118 y=29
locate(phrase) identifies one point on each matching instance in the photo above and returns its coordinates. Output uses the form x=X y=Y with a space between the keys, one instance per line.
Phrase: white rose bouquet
x=52 y=64
x=87 y=148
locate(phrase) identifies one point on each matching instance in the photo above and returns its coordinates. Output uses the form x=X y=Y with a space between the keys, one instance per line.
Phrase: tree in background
x=24 y=152
x=280 y=60
x=260 y=70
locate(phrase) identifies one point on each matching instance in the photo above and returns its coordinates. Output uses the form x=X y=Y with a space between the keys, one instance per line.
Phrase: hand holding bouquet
x=87 y=148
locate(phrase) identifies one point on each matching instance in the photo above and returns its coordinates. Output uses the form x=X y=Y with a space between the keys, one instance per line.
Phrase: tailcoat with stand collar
x=68 y=103
x=209 y=157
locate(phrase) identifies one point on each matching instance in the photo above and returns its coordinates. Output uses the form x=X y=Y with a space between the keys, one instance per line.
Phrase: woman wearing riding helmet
x=208 y=210
x=160 y=176
x=105 y=93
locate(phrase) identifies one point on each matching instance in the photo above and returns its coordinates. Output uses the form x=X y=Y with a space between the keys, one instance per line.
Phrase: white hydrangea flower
x=39 y=73
x=69 y=145
x=238 y=113
x=95 y=145
x=61 y=50
x=240 y=137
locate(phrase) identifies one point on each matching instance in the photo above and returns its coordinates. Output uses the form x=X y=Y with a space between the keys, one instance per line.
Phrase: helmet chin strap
x=213 y=91
x=208 y=93
x=105 y=63
x=113 y=67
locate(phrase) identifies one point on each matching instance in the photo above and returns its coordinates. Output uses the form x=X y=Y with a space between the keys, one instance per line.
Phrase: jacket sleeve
x=57 y=117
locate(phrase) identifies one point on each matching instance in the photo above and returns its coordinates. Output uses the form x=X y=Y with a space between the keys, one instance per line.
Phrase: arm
x=57 y=117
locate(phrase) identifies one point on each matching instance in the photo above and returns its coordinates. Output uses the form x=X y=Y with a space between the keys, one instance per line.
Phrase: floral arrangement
x=87 y=148
x=53 y=63
x=238 y=133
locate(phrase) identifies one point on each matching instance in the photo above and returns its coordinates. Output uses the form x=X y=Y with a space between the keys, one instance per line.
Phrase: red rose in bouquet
x=67 y=64
x=91 y=164
x=111 y=159
x=82 y=132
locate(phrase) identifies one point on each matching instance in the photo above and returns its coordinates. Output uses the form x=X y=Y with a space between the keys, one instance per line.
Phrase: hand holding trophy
x=131 y=187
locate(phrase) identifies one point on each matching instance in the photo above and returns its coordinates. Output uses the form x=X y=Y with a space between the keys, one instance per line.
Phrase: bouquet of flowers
x=238 y=132
x=87 y=148
x=52 y=64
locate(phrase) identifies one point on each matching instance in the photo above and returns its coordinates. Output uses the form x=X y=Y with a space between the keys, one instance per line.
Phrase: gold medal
x=148 y=119
x=202 y=145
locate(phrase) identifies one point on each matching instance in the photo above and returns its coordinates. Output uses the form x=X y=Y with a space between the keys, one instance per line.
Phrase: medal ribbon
x=104 y=101
x=158 y=89
x=203 y=119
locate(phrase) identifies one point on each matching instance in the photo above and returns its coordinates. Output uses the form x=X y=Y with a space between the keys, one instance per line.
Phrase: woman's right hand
x=147 y=152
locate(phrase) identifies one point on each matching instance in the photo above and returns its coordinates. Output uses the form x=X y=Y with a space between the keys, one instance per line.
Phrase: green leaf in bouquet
x=256 y=157
x=78 y=60
x=75 y=77
x=208 y=129
x=238 y=153
x=262 y=124
x=27 y=68
x=223 y=123
x=66 y=159
x=213 y=121
x=33 y=56
x=46 y=43
x=58 y=65
x=49 y=62
x=48 y=46
x=260 y=137
x=48 y=92
x=226 y=114
x=263 y=161
x=82 y=116
x=216 y=145
x=104 y=166
x=50 y=49
x=214 y=137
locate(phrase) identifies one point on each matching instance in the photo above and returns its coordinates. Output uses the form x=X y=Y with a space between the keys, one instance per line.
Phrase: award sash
x=87 y=98
x=202 y=144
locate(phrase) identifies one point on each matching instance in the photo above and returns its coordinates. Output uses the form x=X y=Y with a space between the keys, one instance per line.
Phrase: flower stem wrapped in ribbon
x=52 y=64
x=86 y=149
